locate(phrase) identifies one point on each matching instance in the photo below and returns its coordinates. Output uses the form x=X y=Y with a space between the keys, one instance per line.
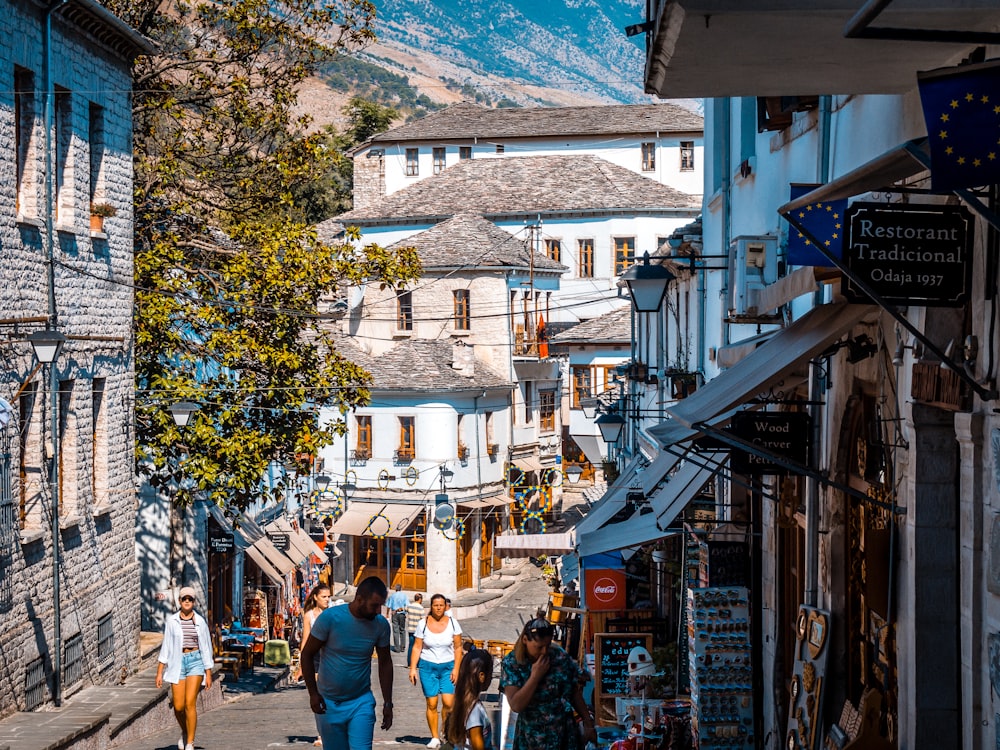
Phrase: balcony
x=463 y=453
x=404 y=456
x=360 y=456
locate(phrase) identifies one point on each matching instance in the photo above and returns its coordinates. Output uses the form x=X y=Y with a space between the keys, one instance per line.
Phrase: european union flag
x=962 y=112
x=825 y=221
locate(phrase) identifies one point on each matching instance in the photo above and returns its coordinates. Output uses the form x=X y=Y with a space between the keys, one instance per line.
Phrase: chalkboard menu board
x=728 y=563
x=611 y=652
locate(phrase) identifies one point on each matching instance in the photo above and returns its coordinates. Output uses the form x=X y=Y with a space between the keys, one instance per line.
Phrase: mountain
x=433 y=53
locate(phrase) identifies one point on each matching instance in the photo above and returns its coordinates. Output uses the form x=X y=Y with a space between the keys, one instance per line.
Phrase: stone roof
x=467 y=121
x=611 y=328
x=419 y=365
x=470 y=241
x=524 y=185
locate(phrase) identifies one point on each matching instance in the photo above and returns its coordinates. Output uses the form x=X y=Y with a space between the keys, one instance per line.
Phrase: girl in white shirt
x=468 y=725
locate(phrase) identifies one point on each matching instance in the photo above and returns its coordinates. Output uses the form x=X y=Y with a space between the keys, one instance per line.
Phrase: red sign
x=604 y=589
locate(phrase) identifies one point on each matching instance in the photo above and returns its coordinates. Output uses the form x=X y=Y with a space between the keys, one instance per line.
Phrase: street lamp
x=182 y=411
x=322 y=482
x=573 y=473
x=47 y=344
x=611 y=426
x=647 y=284
x=589 y=407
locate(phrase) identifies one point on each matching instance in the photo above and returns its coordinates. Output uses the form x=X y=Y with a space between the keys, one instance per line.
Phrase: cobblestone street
x=281 y=717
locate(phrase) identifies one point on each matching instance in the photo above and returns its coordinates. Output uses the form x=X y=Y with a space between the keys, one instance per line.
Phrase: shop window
x=648 y=157
x=412 y=162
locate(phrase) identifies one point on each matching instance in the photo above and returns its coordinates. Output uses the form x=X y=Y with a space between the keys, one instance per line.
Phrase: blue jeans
x=347 y=724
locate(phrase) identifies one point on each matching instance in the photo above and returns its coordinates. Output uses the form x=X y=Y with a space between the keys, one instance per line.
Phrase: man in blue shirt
x=396 y=605
x=342 y=697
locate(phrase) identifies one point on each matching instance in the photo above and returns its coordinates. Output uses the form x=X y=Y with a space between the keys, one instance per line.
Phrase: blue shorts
x=347 y=724
x=192 y=664
x=435 y=679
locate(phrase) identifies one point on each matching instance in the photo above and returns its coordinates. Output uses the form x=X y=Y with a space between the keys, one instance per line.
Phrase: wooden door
x=463 y=560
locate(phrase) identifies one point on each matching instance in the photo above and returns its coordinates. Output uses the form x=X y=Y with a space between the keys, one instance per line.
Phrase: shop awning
x=281 y=562
x=265 y=567
x=529 y=463
x=493 y=501
x=377 y=519
x=653 y=521
x=300 y=545
x=784 y=356
x=534 y=545
x=613 y=499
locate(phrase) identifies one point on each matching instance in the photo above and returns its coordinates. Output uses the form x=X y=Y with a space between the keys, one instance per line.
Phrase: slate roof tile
x=611 y=328
x=519 y=185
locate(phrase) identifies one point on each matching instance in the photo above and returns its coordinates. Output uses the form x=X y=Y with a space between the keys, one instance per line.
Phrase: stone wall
x=94 y=372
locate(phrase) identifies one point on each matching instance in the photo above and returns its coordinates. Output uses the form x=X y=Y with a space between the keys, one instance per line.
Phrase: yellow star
x=827 y=243
x=809 y=208
x=969 y=97
x=961 y=160
x=954 y=103
x=837 y=225
x=949 y=150
x=835 y=235
x=808 y=242
x=943 y=134
x=996 y=110
x=976 y=162
x=944 y=117
x=985 y=99
x=819 y=205
x=836 y=216
x=802 y=215
x=801 y=235
x=829 y=208
x=992 y=155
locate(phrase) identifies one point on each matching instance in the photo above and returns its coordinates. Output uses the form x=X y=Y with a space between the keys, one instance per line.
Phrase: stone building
x=69 y=613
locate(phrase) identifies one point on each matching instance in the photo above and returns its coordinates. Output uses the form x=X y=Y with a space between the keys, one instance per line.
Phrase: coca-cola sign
x=605 y=589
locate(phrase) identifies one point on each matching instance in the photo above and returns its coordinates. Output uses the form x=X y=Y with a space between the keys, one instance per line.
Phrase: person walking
x=437 y=655
x=317 y=601
x=396 y=605
x=186 y=662
x=414 y=614
x=468 y=726
x=341 y=697
x=543 y=685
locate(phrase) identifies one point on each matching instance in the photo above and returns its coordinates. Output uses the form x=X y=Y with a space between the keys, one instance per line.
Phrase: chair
x=230 y=660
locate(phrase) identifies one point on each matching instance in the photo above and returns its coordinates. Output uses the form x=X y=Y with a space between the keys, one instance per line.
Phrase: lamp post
x=647 y=284
x=573 y=473
x=182 y=412
x=611 y=426
x=47 y=344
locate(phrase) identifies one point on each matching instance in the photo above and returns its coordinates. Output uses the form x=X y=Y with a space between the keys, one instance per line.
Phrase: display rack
x=720 y=669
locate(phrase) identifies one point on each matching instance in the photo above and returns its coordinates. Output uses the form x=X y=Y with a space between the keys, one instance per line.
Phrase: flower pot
x=96 y=223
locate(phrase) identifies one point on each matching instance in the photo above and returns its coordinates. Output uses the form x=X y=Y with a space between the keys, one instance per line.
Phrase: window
x=34 y=684
x=73 y=660
x=407 y=439
x=439 y=156
x=412 y=162
x=499 y=148
x=98 y=443
x=24 y=125
x=465 y=152
x=547 y=410
x=687 y=156
x=527 y=402
x=553 y=249
x=95 y=142
x=491 y=444
x=463 y=449
x=105 y=639
x=63 y=162
x=363 y=445
x=648 y=157
x=67 y=449
x=30 y=442
x=582 y=384
x=404 y=310
x=624 y=254
x=8 y=528
x=585 y=249
x=462 y=316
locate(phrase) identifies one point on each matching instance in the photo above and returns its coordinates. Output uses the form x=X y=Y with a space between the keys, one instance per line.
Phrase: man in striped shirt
x=414 y=614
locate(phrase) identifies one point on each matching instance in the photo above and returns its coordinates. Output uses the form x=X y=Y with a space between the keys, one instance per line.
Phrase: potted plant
x=98 y=213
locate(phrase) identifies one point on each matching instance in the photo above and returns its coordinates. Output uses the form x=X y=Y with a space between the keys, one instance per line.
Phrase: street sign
x=785 y=434
x=280 y=541
x=909 y=254
x=219 y=540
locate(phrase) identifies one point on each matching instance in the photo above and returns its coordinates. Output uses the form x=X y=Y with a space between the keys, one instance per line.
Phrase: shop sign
x=280 y=541
x=785 y=434
x=604 y=589
x=909 y=254
x=219 y=540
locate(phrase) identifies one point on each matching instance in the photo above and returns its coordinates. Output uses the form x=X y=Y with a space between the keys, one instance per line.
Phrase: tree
x=229 y=275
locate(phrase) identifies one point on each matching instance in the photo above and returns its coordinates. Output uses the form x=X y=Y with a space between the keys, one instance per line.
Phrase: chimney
x=463 y=359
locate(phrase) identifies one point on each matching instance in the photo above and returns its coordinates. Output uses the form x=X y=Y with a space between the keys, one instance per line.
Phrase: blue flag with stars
x=825 y=221
x=962 y=112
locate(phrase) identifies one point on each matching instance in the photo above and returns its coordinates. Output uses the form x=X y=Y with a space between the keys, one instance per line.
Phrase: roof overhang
x=710 y=48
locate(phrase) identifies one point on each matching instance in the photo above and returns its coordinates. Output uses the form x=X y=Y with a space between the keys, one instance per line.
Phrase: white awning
x=301 y=546
x=276 y=557
x=377 y=519
x=493 y=501
x=783 y=357
x=729 y=355
x=534 y=545
x=529 y=463
x=613 y=498
x=265 y=567
x=652 y=522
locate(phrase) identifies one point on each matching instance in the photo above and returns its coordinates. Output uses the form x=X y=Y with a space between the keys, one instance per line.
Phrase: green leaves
x=229 y=273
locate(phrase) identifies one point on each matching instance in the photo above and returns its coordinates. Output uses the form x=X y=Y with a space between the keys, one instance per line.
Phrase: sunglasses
x=187 y=598
x=539 y=629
